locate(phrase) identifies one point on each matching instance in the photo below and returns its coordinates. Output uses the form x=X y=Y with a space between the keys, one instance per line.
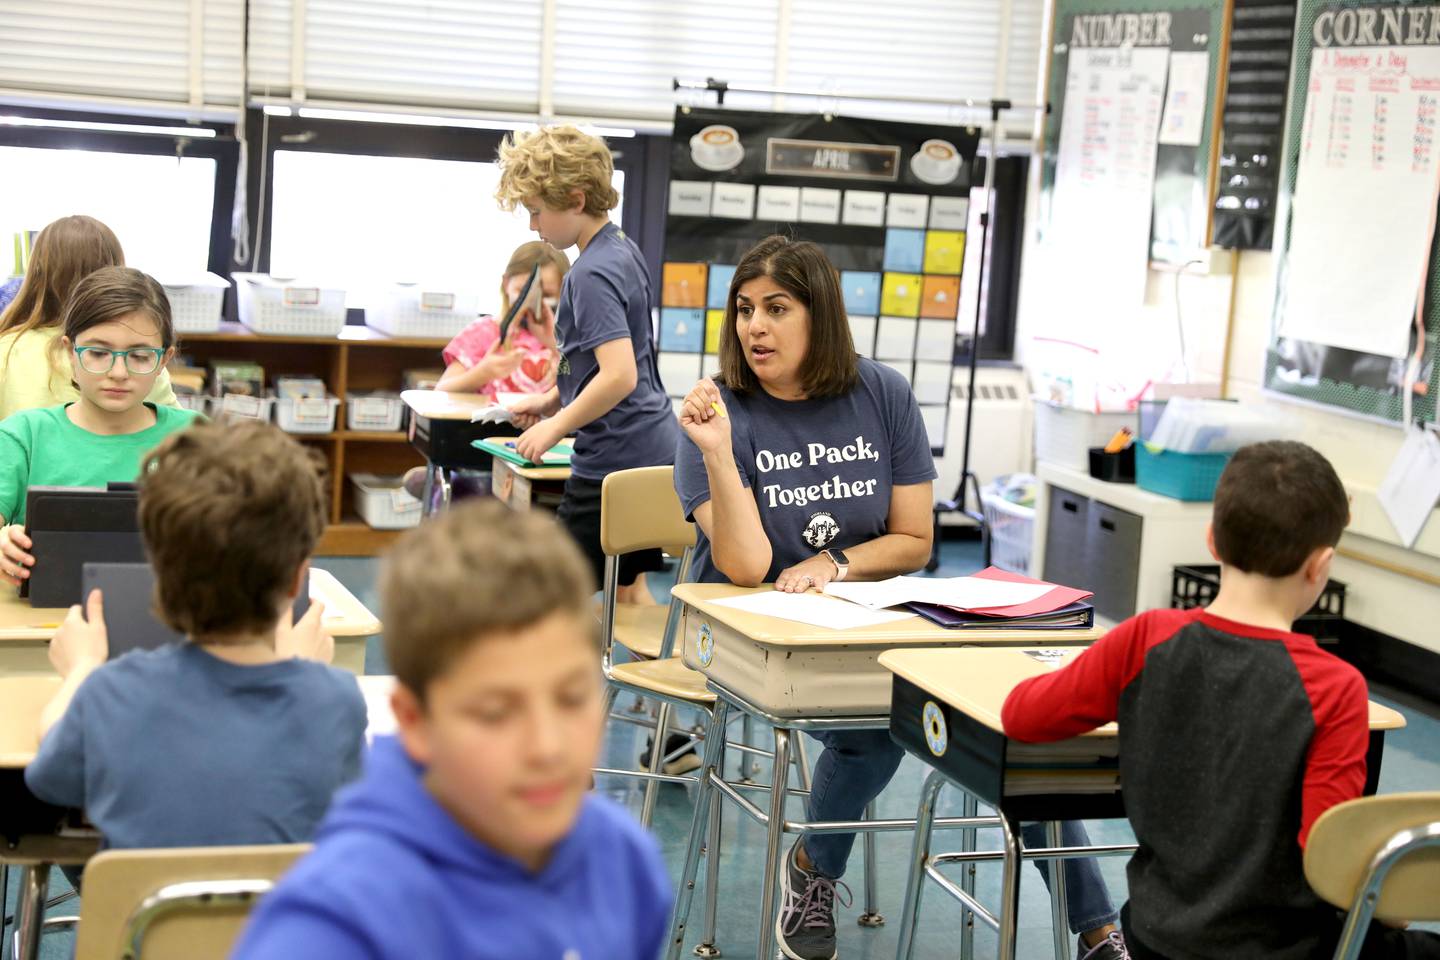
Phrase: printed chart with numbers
x=1365 y=198
x=888 y=201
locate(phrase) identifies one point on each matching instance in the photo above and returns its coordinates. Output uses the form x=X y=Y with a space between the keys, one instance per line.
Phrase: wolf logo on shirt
x=821 y=529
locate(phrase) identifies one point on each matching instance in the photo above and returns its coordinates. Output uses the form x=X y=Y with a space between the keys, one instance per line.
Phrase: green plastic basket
x=1184 y=476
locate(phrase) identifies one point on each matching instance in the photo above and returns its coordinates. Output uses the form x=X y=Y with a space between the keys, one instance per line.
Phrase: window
x=159 y=206
x=364 y=222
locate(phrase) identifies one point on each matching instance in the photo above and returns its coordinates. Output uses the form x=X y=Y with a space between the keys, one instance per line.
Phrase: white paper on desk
x=1409 y=491
x=811 y=608
x=962 y=593
x=1184 y=118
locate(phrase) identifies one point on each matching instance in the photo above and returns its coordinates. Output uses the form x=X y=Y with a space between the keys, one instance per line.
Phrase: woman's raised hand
x=705 y=419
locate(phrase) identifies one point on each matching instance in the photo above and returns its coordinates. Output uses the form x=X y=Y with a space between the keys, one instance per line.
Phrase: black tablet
x=127 y=590
x=72 y=526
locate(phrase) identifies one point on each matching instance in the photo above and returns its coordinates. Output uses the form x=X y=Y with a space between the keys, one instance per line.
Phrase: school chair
x=1379 y=858
x=175 y=904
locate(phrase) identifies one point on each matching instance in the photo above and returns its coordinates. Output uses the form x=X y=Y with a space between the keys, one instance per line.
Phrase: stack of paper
x=810 y=608
x=1078 y=765
x=991 y=599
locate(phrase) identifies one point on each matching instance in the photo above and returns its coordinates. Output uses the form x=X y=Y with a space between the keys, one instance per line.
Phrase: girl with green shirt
x=118 y=336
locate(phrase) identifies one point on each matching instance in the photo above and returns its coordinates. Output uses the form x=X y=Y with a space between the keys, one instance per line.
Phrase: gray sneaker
x=1111 y=948
x=805 y=929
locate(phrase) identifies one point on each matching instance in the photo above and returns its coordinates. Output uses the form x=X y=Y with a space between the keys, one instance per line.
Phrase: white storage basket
x=413 y=310
x=306 y=414
x=1012 y=530
x=383 y=503
x=196 y=303
x=1064 y=435
x=287 y=307
x=238 y=406
x=373 y=411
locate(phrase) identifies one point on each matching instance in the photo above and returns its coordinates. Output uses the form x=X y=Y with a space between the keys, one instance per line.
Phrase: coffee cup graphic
x=717 y=148
x=936 y=162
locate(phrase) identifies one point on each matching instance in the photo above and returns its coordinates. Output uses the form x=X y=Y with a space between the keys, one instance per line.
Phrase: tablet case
x=71 y=526
x=128 y=592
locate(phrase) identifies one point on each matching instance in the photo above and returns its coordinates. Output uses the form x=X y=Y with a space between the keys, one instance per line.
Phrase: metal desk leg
x=4 y=902
x=871 y=917
x=30 y=912
x=774 y=838
x=427 y=494
x=969 y=807
x=1009 y=886
x=915 y=870
x=704 y=796
x=747 y=737
x=657 y=762
x=706 y=947
x=1059 y=911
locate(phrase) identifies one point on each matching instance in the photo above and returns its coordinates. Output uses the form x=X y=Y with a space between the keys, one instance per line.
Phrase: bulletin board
x=1361 y=127
x=1194 y=34
x=887 y=200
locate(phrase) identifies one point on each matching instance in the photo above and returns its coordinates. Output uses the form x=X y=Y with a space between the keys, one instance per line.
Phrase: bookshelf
x=358 y=359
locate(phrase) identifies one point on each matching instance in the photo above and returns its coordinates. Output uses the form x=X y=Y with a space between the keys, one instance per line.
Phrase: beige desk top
x=440 y=405
x=345 y=615
x=915 y=631
x=976 y=681
x=23 y=697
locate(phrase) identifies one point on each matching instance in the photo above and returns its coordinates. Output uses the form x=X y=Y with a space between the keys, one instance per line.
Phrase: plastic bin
x=383 y=503
x=1064 y=435
x=306 y=415
x=288 y=307
x=196 y=303
x=198 y=402
x=1012 y=530
x=1184 y=476
x=376 y=410
x=1196 y=585
x=238 y=406
x=413 y=310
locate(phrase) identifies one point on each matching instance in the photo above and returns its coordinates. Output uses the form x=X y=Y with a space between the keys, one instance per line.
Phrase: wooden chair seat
x=669 y=678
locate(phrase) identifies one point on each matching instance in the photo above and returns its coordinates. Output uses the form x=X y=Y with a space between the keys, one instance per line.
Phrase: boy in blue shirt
x=242 y=734
x=607 y=392
x=473 y=833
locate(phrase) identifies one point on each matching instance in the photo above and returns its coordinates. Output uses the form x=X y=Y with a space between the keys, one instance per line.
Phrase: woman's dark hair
x=831 y=366
x=112 y=292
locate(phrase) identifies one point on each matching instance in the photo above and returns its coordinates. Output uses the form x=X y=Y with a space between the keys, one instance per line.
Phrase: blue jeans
x=857 y=764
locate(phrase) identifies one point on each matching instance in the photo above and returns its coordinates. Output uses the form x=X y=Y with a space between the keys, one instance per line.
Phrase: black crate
x=1195 y=585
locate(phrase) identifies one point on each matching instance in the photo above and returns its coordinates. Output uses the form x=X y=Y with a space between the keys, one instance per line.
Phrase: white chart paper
x=1184 y=118
x=811 y=608
x=1364 y=198
x=1105 y=172
x=1411 y=488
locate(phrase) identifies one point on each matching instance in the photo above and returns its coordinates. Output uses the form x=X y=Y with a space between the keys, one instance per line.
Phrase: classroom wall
x=1143 y=337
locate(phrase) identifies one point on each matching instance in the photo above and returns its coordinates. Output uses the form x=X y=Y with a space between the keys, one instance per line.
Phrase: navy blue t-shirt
x=605 y=297
x=176 y=748
x=821 y=470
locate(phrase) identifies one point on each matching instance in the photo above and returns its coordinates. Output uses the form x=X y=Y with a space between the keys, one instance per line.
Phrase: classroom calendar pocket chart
x=888 y=201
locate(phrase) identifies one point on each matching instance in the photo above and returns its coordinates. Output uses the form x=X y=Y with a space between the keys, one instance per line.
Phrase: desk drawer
x=446 y=443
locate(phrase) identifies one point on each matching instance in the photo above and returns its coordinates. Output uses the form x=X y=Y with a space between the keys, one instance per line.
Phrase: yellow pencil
x=715 y=405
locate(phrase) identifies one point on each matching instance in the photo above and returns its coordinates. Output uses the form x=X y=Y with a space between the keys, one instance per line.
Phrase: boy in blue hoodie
x=473 y=833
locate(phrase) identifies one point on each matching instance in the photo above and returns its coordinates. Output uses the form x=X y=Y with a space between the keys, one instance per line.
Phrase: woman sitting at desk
x=808 y=463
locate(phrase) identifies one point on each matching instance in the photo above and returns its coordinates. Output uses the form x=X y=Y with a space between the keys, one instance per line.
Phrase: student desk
x=440 y=429
x=946 y=711
x=798 y=677
x=33 y=835
x=25 y=631
x=519 y=488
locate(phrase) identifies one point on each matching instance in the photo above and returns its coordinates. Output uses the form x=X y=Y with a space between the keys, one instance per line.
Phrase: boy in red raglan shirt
x=1235 y=733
